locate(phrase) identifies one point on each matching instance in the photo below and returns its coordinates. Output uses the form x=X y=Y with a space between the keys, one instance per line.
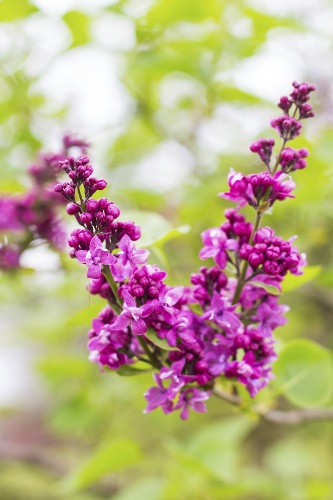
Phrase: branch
x=278 y=416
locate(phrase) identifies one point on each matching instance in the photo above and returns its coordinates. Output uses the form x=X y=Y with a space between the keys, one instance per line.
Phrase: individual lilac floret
x=191 y=398
x=132 y=315
x=264 y=148
x=293 y=159
x=222 y=314
x=215 y=245
x=130 y=254
x=95 y=258
x=163 y=396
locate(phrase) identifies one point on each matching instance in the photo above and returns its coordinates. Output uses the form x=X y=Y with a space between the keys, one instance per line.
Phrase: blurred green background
x=169 y=93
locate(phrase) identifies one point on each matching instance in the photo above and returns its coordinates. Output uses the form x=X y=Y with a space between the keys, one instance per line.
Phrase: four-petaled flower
x=130 y=253
x=95 y=258
x=132 y=315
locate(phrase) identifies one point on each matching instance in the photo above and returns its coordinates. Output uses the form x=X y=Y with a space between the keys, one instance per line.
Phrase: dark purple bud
x=85 y=218
x=100 y=185
x=256 y=259
x=92 y=205
x=201 y=366
x=72 y=209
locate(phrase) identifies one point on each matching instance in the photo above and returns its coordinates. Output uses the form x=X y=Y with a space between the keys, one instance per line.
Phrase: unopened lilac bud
x=263 y=235
x=72 y=209
x=85 y=237
x=256 y=259
x=201 y=366
x=245 y=251
x=100 y=185
x=92 y=205
x=85 y=218
x=137 y=291
x=103 y=203
x=113 y=210
x=273 y=252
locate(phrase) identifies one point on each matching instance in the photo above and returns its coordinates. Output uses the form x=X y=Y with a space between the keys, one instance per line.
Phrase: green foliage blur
x=68 y=431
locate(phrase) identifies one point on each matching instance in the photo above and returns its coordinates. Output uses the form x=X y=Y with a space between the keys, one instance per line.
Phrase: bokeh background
x=169 y=93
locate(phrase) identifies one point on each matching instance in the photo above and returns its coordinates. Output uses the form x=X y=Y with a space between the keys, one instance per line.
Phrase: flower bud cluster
x=271 y=254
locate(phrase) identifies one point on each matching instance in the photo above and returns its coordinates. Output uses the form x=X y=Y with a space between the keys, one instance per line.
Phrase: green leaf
x=145 y=488
x=291 y=282
x=155 y=229
x=156 y=340
x=112 y=456
x=273 y=290
x=304 y=373
x=129 y=371
x=215 y=445
x=85 y=316
x=10 y=10
x=79 y=25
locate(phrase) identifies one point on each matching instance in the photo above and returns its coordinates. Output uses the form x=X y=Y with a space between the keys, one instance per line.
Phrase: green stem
x=153 y=359
x=83 y=205
x=242 y=276
x=256 y=225
x=107 y=273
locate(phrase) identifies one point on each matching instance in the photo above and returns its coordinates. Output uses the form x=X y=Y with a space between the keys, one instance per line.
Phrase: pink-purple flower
x=132 y=315
x=95 y=258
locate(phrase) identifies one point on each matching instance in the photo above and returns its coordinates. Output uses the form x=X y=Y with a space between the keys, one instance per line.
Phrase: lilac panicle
x=221 y=327
x=32 y=215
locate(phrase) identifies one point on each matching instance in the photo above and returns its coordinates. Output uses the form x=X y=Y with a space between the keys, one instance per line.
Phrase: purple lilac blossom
x=95 y=258
x=223 y=325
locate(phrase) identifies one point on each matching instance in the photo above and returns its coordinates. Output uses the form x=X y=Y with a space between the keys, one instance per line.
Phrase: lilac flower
x=95 y=258
x=132 y=315
x=130 y=254
x=221 y=313
x=8 y=215
x=191 y=398
x=215 y=245
x=166 y=302
x=161 y=395
x=270 y=315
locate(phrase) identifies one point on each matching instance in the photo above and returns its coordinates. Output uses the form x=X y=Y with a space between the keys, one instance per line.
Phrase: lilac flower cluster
x=33 y=215
x=219 y=328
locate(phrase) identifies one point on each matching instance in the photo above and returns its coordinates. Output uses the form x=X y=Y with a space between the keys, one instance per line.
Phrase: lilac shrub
x=32 y=216
x=220 y=327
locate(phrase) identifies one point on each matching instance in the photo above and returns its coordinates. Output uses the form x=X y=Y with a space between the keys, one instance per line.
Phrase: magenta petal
x=81 y=256
x=94 y=271
x=139 y=327
x=221 y=259
x=121 y=322
x=155 y=398
x=124 y=243
x=199 y=406
x=172 y=296
x=141 y=256
x=95 y=244
x=148 y=309
x=185 y=413
x=128 y=299
x=107 y=258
